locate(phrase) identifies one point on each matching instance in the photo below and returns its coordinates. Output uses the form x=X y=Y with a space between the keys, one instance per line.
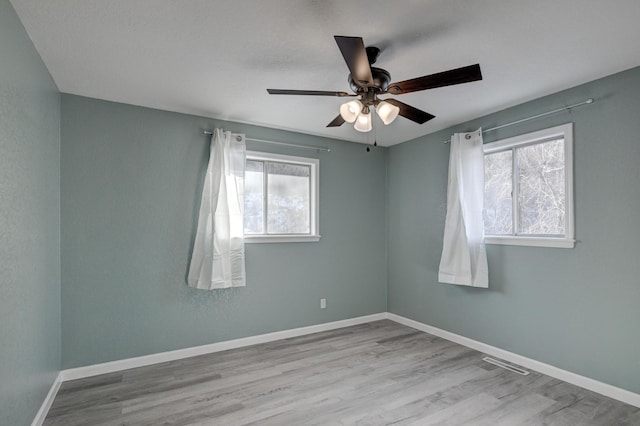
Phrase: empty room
x=218 y=212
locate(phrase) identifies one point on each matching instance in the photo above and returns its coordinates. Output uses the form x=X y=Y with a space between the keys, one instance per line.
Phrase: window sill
x=281 y=239
x=531 y=241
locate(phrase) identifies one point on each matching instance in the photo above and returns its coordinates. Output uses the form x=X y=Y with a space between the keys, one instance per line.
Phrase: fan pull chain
x=375 y=133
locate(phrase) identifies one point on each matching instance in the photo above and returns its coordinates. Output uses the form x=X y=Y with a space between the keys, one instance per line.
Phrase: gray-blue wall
x=29 y=225
x=131 y=182
x=577 y=309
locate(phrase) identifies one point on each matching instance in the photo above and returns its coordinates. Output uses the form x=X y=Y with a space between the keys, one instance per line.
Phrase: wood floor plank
x=465 y=411
x=514 y=411
x=379 y=373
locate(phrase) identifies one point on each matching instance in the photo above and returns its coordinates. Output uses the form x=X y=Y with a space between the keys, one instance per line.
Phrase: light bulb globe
x=363 y=122
x=387 y=112
x=350 y=110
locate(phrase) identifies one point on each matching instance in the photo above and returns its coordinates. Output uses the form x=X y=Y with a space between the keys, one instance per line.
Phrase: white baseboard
x=46 y=404
x=605 y=389
x=141 y=361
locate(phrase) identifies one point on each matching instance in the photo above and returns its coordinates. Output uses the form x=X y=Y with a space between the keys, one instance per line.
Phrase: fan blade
x=412 y=113
x=355 y=55
x=446 y=78
x=308 y=92
x=337 y=122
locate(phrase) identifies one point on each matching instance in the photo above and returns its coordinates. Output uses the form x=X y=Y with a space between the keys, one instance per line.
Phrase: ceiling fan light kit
x=369 y=82
x=354 y=111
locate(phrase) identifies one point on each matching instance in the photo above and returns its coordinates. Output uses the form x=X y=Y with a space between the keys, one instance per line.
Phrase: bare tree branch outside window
x=541 y=198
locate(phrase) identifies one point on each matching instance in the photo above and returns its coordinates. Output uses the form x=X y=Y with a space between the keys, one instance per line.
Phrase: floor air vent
x=506 y=366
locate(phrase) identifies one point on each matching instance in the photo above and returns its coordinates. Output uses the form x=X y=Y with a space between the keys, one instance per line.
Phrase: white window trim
x=314 y=176
x=568 y=241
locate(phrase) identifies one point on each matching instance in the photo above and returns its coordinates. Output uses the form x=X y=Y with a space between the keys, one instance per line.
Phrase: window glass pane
x=254 y=197
x=498 y=187
x=288 y=201
x=541 y=195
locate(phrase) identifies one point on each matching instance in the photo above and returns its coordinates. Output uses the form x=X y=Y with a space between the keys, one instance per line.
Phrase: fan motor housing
x=381 y=79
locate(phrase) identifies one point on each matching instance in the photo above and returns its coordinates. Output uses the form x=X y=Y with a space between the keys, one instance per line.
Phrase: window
x=280 y=198
x=528 y=194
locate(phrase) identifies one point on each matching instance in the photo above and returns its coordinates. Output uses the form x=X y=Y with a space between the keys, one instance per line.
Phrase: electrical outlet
x=323 y=303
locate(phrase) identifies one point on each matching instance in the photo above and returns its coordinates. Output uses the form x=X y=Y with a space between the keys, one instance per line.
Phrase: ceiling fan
x=369 y=82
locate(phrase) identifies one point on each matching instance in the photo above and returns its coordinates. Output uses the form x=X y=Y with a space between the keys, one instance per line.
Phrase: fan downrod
x=372 y=54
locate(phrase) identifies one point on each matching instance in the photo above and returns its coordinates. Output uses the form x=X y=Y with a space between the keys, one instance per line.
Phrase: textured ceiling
x=216 y=58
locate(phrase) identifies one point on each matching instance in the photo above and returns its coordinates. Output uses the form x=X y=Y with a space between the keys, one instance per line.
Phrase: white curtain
x=218 y=251
x=464 y=260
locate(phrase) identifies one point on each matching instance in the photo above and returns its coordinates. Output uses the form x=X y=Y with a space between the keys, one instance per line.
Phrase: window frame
x=314 y=205
x=568 y=240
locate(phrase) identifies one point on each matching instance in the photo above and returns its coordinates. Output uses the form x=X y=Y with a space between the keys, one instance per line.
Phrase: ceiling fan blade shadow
x=355 y=55
x=308 y=92
x=447 y=78
x=411 y=113
x=336 y=122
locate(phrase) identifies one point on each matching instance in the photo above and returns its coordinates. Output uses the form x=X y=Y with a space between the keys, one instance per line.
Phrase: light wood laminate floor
x=378 y=373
